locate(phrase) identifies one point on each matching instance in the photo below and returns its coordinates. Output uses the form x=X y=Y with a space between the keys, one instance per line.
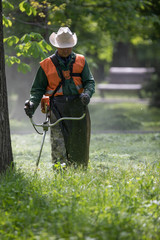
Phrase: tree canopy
x=99 y=25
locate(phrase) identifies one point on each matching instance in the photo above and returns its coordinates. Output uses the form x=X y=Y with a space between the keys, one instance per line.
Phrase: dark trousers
x=76 y=133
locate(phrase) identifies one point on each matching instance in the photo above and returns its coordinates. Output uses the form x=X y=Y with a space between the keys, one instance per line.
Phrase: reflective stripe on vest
x=54 y=79
x=78 y=68
x=50 y=92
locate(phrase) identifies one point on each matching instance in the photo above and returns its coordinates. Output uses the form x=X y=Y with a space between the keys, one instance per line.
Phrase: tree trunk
x=124 y=55
x=6 y=158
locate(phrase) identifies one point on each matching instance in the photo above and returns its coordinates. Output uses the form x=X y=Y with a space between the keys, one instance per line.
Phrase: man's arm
x=88 y=80
x=38 y=87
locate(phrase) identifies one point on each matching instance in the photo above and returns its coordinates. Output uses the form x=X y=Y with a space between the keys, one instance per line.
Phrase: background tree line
x=110 y=33
x=104 y=29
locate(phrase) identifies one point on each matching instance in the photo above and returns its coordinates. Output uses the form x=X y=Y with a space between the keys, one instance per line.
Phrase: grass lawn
x=124 y=117
x=108 y=117
x=118 y=197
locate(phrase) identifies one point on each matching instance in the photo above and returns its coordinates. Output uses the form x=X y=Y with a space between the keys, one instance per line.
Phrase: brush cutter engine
x=45 y=104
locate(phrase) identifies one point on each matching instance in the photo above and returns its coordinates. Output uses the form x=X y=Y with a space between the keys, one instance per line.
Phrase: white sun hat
x=64 y=38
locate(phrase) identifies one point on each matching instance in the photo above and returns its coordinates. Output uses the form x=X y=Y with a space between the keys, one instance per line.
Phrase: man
x=65 y=77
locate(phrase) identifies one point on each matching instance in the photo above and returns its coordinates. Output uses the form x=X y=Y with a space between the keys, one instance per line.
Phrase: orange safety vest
x=54 y=79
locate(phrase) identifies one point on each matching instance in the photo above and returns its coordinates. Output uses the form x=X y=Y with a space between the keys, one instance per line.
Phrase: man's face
x=64 y=52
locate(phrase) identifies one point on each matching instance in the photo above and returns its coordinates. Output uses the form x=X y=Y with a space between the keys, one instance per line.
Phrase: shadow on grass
x=25 y=210
x=31 y=211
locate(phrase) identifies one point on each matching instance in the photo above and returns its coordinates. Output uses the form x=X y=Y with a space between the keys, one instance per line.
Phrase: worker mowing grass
x=66 y=78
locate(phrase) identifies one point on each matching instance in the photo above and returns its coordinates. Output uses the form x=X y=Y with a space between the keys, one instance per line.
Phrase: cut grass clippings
x=116 y=198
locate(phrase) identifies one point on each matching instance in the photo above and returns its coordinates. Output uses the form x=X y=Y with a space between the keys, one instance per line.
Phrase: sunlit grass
x=108 y=117
x=116 y=198
x=124 y=117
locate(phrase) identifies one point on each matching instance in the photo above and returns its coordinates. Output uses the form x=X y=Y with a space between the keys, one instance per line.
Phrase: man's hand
x=85 y=98
x=29 y=108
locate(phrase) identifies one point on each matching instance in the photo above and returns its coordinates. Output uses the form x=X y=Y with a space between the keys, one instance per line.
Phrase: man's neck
x=65 y=60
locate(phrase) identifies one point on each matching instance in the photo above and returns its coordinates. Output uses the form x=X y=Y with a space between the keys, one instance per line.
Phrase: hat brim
x=53 y=41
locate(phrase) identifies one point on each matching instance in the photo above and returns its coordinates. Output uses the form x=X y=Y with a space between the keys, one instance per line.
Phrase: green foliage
x=99 y=26
x=10 y=60
x=27 y=8
x=24 y=68
x=7 y=22
x=45 y=46
x=11 y=40
x=152 y=90
x=31 y=36
x=30 y=45
x=116 y=198
x=7 y=5
x=33 y=48
x=30 y=49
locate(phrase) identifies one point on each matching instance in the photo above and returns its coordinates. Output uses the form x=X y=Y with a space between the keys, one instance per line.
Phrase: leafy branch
x=30 y=45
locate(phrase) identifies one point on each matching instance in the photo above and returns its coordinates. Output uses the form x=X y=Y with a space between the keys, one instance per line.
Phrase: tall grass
x=116 y=198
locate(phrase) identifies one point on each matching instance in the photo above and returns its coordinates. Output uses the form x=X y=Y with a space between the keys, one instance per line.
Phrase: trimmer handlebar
x=45 y=125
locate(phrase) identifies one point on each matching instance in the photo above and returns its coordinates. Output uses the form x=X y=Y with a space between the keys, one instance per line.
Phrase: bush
x=152 y=90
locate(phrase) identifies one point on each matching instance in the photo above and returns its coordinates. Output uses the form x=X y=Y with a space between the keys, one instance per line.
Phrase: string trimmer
x=45 y=125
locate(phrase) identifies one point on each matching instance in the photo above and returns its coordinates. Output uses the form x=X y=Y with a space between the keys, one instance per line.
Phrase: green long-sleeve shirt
x=41 y=82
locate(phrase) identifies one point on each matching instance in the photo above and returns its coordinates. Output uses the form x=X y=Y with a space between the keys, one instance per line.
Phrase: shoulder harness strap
x=55 y=61
x=71 y=69
x=57 y=65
